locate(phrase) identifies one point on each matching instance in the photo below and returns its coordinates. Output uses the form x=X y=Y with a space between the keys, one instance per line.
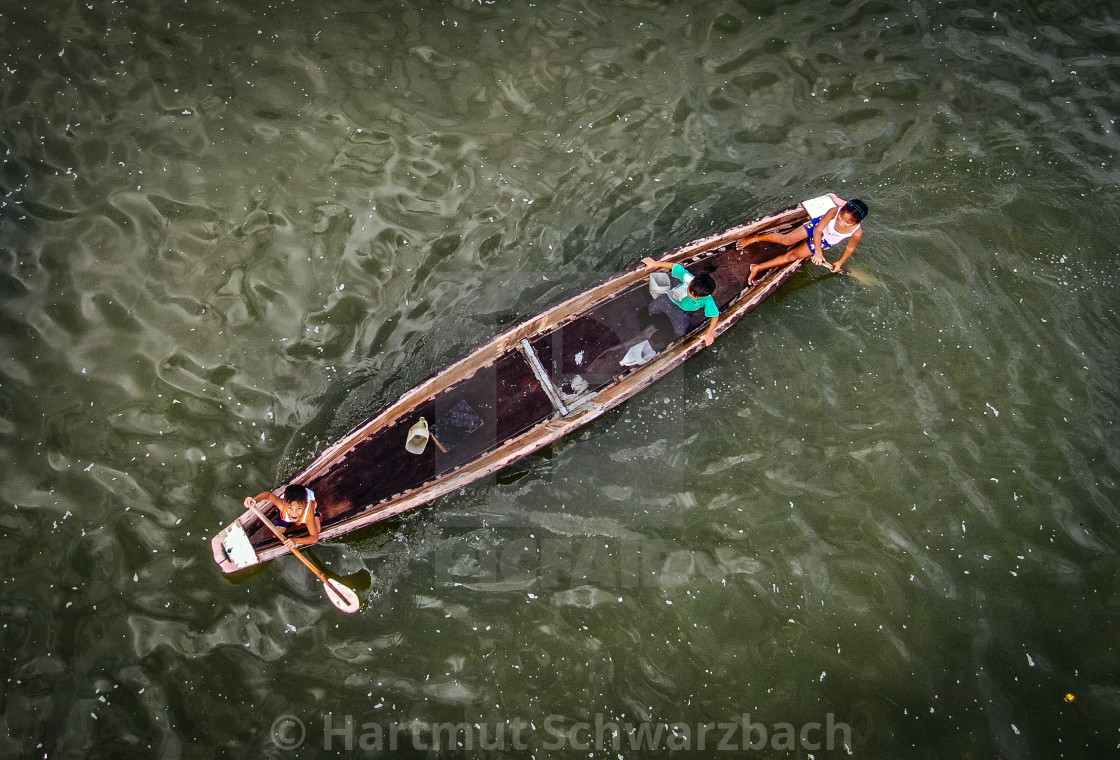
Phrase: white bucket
x=658 y=283
x=638 y=354
x=418 y=436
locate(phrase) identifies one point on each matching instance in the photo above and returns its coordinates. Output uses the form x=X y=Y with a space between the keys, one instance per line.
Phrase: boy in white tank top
x=844 y=222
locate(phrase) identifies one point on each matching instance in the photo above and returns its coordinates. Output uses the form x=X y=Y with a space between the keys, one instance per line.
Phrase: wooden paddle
x=341 y=596
x=862 y=278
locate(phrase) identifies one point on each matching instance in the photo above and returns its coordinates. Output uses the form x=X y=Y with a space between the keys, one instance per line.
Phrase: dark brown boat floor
x=506 y=397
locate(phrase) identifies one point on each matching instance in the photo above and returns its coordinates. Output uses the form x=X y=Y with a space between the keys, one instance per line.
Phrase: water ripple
x=227 y=234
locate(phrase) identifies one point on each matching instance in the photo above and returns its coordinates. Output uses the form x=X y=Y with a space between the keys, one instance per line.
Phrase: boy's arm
x=312 y=536
x=710 y=333
x=653 y=264
x=818 y=232
x=853 y=241
x=270 y=497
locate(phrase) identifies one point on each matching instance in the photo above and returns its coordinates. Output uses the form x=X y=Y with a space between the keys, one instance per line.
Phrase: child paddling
x=296 y=507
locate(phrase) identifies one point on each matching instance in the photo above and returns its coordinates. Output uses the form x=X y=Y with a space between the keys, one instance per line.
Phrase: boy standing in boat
x=296 y=507
x=693 y=294
x=843 y=222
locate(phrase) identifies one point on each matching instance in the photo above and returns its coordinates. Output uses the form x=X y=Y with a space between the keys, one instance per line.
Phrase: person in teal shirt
x=693 y=294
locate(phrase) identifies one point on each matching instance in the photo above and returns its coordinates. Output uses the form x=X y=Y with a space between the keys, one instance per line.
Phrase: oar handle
x=286 y=541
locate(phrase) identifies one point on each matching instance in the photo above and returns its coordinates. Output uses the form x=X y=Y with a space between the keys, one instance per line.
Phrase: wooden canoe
x=524 y=389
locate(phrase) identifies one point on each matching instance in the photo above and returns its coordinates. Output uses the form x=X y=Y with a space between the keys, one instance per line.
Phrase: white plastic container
x=417 y=439
x=638 y=354
x=818 y=207
x=658 y=283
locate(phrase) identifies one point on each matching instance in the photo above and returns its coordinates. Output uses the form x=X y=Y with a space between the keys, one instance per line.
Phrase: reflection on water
x=229 y=232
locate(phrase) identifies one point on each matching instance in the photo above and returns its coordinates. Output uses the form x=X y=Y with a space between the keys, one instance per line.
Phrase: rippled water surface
x=229 y=231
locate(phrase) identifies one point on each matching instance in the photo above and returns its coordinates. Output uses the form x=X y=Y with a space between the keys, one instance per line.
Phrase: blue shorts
x=811 y=227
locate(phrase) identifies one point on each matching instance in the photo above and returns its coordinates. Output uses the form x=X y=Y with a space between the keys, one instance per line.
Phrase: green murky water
x=880 y=516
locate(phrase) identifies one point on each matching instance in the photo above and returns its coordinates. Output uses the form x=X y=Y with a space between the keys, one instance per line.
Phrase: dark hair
x=857 y=207
x=295 y=492
x=702 y=285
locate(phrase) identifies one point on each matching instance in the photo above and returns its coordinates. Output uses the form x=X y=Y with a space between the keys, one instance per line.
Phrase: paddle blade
x=341 y=596
x=863 y=278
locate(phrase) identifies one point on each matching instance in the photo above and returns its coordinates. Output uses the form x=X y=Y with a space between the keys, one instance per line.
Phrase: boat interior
x=507 y=397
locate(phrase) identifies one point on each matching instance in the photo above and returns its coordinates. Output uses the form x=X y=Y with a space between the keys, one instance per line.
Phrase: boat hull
x=524 y=389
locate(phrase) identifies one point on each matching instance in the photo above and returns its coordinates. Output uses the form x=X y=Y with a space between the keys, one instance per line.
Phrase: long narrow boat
x=527 y=387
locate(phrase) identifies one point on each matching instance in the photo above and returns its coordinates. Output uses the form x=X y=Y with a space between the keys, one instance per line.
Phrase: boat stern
x=232 y=549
